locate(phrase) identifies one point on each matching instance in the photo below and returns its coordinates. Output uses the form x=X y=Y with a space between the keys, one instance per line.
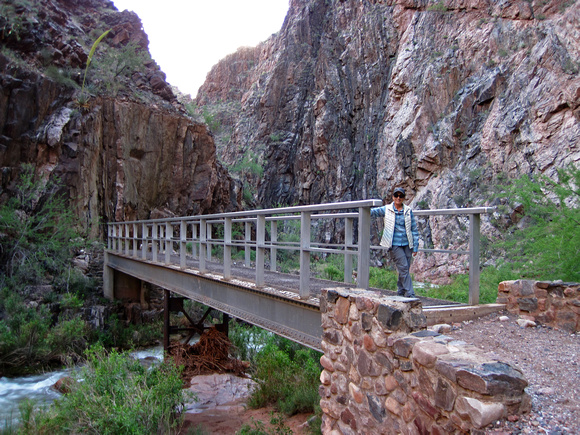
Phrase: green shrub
x=247 y=340
x=288 y=376
x=22 y=332
x=71 y=300
x=437 y=7
x=115 y=394
x=332 y=273
x=383 y=278
x=116 y=63
x=120 y=335
x=69 y=338
x=249 y=165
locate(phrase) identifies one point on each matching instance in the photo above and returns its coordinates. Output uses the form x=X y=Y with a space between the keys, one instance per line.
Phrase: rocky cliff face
x=129 y=151
x=354 y=98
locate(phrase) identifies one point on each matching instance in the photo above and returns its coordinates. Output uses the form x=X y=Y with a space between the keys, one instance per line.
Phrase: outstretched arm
x=415 y=234
x=378 y=211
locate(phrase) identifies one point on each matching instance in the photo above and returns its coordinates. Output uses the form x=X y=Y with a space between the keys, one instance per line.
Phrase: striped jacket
x=388 y=212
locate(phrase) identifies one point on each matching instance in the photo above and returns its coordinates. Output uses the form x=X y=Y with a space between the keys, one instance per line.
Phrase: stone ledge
x=555 y=304
x=435 y=315
x=387 y=374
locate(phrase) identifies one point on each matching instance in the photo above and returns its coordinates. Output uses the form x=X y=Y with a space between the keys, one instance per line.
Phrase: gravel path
x=550 y=361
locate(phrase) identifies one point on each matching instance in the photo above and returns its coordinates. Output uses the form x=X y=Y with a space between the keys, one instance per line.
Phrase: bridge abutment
x=383 y=372
x=120 y=286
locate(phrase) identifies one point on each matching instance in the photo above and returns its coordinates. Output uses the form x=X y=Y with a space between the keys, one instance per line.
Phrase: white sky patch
x=188 y=37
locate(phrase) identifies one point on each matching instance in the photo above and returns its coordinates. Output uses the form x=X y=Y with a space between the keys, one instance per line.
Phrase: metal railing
x=194 y=236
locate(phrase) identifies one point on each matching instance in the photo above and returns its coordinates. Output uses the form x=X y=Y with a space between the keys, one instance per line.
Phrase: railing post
x=247 y=240
x=474 y=238
x=273 y=240
x=209 y=236
x=348 y=240
x=260 y=249
x=364 y=247
x=182 y=243
x=135 y=239
x=115 y=244
x=126 y=238
x=154 y=241
x=144 y=240
x=168 y=241
x=110 y=230
x=228 y=248
x=202 y=245
x=305 y=220
x=194 y=239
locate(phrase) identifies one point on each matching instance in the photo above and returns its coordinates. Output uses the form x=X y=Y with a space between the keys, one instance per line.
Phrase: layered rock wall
x=123 y=150
x=446 y=98
x=555 y=304
x=383 y=373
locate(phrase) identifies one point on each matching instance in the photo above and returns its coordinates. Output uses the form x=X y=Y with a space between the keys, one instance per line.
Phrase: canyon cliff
x=120 y=143
x=352 y=98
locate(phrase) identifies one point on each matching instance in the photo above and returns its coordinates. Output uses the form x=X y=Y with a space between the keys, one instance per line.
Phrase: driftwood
x=209 y=355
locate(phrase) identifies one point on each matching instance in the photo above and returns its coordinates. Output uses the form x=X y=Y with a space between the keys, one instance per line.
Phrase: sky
x=188 y=37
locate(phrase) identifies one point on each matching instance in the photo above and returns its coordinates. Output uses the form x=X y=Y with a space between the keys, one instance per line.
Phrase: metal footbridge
x=231 y=261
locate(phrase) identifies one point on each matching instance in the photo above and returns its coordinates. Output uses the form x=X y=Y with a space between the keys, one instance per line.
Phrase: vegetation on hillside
x=42 y=296
x=544 y=243
x=111 y=68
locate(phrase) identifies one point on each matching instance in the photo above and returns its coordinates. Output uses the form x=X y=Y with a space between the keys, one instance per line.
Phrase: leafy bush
x=248 y=341
x=248 y=165
x=69 y=338
x=114 y=394
x=120 y=335
x=116 y=63
x=22 y=331
x=382 y=278
x=288 y=376
x=332 y=273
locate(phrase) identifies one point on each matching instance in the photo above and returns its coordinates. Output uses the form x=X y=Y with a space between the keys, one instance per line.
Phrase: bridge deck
x=291 y=282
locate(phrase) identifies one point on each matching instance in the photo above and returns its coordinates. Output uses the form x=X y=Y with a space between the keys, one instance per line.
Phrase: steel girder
x=281 y=312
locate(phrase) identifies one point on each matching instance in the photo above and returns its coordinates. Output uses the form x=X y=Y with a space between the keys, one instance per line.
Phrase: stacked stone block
x=555 y=304
x=384 y=373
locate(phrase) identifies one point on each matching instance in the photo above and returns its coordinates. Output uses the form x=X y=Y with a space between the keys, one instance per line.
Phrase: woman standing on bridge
x=401 y=237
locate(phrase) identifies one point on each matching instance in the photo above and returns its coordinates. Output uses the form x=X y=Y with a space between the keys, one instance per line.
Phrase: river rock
x=219 y=391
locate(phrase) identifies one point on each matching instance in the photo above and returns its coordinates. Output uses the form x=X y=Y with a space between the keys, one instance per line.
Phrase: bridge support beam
x=118 y=285
x=281 y=312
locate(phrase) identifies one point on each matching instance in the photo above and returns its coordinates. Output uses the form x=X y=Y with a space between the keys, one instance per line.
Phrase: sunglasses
x=398 y=195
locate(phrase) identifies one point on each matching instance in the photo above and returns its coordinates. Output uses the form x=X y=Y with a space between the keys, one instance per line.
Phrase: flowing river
x=38 y=388
x=35 y=387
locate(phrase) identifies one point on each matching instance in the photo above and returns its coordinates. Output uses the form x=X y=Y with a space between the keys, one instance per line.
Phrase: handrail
x=158 y=239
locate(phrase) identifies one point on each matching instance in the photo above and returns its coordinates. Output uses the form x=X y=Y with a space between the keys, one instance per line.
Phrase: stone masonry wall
x=384 y=373
x=555 y=304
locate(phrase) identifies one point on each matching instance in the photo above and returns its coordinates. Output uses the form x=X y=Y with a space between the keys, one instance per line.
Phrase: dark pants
x=402 y=256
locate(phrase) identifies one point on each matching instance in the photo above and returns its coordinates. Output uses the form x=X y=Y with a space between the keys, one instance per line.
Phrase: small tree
x=546 y=243
x=114 y=64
